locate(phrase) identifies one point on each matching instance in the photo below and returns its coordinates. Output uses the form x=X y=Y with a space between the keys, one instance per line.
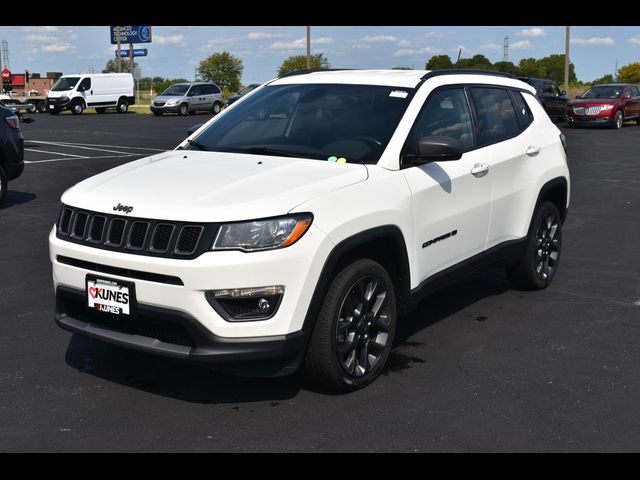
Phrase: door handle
x=532 y=151
x=479 y=170
x=91 y=91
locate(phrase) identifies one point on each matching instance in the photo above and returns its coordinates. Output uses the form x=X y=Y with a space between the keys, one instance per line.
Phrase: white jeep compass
x=294 y=229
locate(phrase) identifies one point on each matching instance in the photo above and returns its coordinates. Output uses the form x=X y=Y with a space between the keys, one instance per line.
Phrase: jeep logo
x=122 y=208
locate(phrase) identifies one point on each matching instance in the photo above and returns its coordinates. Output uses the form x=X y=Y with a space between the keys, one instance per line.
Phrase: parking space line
x=82 y=158
x=97 y=145
x=56 y=153
x=58 y=144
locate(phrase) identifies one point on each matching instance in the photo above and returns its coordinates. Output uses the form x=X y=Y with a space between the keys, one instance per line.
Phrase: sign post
x=118 y=43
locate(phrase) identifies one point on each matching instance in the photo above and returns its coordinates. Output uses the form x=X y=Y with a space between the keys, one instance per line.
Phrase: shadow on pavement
x=14 y=198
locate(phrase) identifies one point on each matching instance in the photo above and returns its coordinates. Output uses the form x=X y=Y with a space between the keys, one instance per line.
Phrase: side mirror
x=436 y=148
x=192 y=129
x=563 y=92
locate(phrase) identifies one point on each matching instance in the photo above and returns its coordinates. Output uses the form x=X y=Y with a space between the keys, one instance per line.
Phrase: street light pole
x=308 y=48
x=566 y=59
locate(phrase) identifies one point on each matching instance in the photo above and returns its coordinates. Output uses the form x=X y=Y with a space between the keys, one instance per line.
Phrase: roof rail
x=466 y=71
x=311 y=70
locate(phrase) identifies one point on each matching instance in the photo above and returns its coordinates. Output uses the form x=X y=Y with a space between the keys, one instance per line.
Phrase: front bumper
x=602 y=118
x=165 y=108
x=177 y=335
x=58 y=103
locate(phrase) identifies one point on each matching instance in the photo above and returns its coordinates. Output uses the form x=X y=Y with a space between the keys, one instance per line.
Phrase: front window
x=65 y=83
x=604 y=91
x=318 y=121
x=176 y=90
x=248 y=89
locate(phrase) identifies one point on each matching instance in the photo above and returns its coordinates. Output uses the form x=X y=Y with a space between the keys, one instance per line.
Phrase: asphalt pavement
x=477 y=367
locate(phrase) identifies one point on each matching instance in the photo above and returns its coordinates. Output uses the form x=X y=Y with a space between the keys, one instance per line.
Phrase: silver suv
x=188 y=98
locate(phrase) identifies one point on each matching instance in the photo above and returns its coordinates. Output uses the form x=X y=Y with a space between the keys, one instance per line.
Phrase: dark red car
x=609 y=105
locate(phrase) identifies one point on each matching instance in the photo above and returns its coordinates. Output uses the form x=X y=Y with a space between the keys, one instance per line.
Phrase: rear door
x=207 y=91
x=196 y=99
x=634 y=102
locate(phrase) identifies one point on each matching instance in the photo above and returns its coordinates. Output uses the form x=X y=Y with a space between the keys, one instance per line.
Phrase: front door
x=452 y=199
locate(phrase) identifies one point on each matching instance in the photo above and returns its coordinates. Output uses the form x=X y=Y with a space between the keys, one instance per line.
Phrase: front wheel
x=123 y=105
x=618 y=120
x=183 y=110
x=353 y=334
x=77 y=108
x=537 y=266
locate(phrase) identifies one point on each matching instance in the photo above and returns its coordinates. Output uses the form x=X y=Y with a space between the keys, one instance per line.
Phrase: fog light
x=246 y=304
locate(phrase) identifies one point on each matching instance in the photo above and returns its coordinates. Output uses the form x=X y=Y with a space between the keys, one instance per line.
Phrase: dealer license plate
x=110 y=296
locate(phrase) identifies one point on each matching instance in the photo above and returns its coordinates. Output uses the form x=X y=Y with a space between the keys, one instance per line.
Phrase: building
x=39 y=84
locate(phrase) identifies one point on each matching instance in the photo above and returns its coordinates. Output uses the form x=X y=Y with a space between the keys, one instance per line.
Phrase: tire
x=537 y=266
x=216 y=108
x=618 y=120
x=77 y=108
x=101 y=110
x=337 y=347
x=183 y=110
x=41 y=106
x=3 y=185
x=123 y=105
x=157 y=114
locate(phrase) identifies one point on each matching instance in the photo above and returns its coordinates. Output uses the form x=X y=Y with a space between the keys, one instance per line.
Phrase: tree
x=112 y=66
x=630 y=73
x=299 y=62
x=439 y=62
x=553 y=66
x=608 y=78
x=477 y=62
x=160 y=87
x=507 y=67
x=529 y=67
x=402 y=68
x=223 y=69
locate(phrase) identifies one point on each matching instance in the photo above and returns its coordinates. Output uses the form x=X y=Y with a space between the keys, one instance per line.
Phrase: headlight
x=606 y=107
x=172 y=102
x=262 y=234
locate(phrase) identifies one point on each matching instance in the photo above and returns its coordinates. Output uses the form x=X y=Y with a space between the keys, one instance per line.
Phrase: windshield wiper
x=198 y=145
x=274 y=151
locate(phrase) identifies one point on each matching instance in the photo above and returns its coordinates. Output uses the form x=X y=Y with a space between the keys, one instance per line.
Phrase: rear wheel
x=123 y=105
x=183 y=109
x=41 y=106
x=354 y=331
x=3 y=184
x=537 y=266
x=215 y=109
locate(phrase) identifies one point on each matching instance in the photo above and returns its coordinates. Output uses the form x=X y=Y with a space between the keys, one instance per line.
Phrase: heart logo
x=94 y=291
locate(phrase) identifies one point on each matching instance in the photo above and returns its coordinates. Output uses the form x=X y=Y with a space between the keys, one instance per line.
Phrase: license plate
x=51 y=107
x=110 y=296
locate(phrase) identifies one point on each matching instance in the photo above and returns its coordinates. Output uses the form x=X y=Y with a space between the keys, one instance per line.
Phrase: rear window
x=523 y=114
x=497 y=119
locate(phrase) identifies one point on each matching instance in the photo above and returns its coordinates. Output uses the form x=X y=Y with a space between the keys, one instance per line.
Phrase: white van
x=96 y=90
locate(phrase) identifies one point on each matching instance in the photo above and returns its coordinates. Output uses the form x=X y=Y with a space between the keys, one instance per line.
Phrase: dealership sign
x=131 y=34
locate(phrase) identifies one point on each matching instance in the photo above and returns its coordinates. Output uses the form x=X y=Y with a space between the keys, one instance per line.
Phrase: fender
x=341 y=250
x=550 y=185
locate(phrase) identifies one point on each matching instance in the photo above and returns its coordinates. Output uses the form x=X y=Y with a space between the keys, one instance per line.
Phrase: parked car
x=95 y=90
x=11 y=149
x=188 y=98
x=302 y=222
x=553 y=100
x=233 y=98
x=610 y=105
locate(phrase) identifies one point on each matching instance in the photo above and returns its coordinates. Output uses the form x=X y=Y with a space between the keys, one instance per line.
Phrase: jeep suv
x=294 y=229
x=553 y=100
x=11 y=149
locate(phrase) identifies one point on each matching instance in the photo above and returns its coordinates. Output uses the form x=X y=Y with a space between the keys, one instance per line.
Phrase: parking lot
x=477 y=367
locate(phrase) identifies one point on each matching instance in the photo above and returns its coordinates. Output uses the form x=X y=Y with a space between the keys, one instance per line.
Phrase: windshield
x=609 y=92
x=319 y=121
x=176 y=90
x=65 y=83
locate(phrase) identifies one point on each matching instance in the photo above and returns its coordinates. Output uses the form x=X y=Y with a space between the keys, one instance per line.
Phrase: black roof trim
x=305 y=71
x=466 y=71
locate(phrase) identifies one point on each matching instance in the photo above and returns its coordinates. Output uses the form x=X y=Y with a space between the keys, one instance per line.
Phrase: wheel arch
x=556 y=191
x=384 y=244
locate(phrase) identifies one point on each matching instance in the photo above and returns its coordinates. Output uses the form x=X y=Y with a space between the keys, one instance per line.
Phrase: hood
x=166 y=98
x=211 y=186
x=591 y=102
x=59 y=93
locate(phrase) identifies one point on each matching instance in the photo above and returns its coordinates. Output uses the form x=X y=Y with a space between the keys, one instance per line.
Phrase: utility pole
x=505 y=49
x=566 y=59
x=131 y=58
x=308 y=48
x=118 y=56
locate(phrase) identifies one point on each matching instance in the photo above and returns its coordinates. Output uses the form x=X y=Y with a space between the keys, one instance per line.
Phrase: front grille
x=159 y=104
x=578 y=110
x=139 y=236
x=593 y=110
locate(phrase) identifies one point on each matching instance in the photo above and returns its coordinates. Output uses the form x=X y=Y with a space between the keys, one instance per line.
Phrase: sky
x=175 y=51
